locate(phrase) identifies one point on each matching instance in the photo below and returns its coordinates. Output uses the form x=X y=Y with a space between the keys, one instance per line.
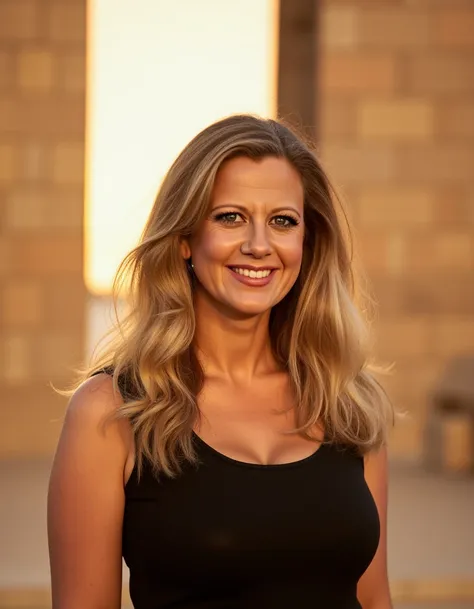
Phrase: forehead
x=267 y=180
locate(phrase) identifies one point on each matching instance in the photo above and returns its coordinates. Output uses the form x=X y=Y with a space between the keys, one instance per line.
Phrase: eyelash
x=223 y=217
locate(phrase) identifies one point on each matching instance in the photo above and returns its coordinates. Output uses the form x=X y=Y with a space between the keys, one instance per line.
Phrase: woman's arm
x=373 y=589
x=86 y=502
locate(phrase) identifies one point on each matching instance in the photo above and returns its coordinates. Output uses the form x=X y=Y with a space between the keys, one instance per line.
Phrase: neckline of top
x=260 y=466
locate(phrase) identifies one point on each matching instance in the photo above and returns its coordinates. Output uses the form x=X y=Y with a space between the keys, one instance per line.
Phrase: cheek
x=213 y=245
x=291 y=251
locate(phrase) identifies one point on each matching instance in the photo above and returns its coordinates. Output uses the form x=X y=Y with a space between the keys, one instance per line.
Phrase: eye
x=284 y=221
x=228 y=217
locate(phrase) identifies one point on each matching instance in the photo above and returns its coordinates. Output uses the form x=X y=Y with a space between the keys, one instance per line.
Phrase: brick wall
x=397 y=130
x=42 y=106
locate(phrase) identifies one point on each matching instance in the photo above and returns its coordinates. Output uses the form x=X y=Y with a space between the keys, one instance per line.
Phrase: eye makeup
x=284 y=220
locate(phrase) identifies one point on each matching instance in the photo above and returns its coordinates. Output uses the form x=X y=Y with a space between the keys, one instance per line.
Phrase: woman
x=231 y=442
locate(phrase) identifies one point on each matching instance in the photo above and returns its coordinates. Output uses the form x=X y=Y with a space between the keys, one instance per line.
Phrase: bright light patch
x=159 y=71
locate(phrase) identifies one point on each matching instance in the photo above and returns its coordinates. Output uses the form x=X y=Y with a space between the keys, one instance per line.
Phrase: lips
x=253 y=273
x=252 y=276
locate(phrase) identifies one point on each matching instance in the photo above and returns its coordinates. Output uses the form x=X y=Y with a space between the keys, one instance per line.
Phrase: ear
x=185 y=249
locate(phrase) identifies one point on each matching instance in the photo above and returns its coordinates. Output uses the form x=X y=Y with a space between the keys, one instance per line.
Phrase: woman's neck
x=232 y=348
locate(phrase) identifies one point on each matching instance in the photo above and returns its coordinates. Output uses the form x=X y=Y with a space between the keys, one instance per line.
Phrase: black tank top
x=234 y=535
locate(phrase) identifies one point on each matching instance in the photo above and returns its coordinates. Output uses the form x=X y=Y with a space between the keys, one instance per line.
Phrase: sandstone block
x=453 y=335
x=47 y=254
x=358 y=72
x=8 y=163
x=403 y=337
x=65 y=304
x=454 y=28
x=36 y=70
x=17 y=359
x=22 y=303
x=393 y=27
x=440 y=74
x=454 y=120
x=68 y=163
x=356 y=164
x=339 y=27
x=423 y=164
x=337 y=118
x=401 y=119
x=72 y=71
x=67 y=22
x=6 y=70
x=25 y=209
x=395 y=207
x=18 y=20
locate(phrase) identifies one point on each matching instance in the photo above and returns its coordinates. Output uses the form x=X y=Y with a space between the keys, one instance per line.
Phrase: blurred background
x=97 y=98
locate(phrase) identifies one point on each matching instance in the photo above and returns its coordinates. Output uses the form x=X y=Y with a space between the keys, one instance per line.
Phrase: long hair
x=318 y=334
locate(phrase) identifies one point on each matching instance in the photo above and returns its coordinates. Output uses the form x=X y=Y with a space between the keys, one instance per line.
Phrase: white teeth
x=252 y=274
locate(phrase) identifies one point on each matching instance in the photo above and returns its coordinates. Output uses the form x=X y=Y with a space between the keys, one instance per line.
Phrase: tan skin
x=245 y=404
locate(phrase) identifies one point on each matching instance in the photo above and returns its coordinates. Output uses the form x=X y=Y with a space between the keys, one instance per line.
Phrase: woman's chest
x=222 y=518
x=254 y=426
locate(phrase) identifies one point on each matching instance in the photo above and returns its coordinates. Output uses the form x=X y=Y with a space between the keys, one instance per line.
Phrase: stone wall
x=42 y=294
x=396 y=128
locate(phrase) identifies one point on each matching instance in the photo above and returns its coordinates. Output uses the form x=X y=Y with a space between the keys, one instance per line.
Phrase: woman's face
x=247 y=253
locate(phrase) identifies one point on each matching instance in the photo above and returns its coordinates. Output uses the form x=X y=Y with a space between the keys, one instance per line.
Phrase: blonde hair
x=317 y=332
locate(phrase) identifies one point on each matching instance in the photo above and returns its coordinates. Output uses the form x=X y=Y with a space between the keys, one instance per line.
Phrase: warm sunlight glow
x=159 y=71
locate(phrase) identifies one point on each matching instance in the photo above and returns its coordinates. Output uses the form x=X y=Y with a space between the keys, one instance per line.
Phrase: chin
x=248 y=310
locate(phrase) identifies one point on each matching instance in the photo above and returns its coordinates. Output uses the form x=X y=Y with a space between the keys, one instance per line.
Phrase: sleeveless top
x=233 y=535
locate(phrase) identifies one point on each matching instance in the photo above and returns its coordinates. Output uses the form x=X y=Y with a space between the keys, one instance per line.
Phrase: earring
x=190 y=265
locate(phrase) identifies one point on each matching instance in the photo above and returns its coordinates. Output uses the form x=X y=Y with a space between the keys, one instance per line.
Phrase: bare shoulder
x=91 y=410
x=86 y=499
x=95 y=398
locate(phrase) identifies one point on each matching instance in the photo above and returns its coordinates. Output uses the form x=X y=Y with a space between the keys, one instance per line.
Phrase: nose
x=258 y=244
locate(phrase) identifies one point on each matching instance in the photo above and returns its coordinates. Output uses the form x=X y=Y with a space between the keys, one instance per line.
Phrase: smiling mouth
x=251 y=273
x=253 y=277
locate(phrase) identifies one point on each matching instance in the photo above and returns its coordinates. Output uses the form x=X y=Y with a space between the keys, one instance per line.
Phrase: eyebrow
x=243 y=208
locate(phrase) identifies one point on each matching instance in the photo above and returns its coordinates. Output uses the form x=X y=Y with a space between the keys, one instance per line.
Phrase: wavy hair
x=318 y=334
